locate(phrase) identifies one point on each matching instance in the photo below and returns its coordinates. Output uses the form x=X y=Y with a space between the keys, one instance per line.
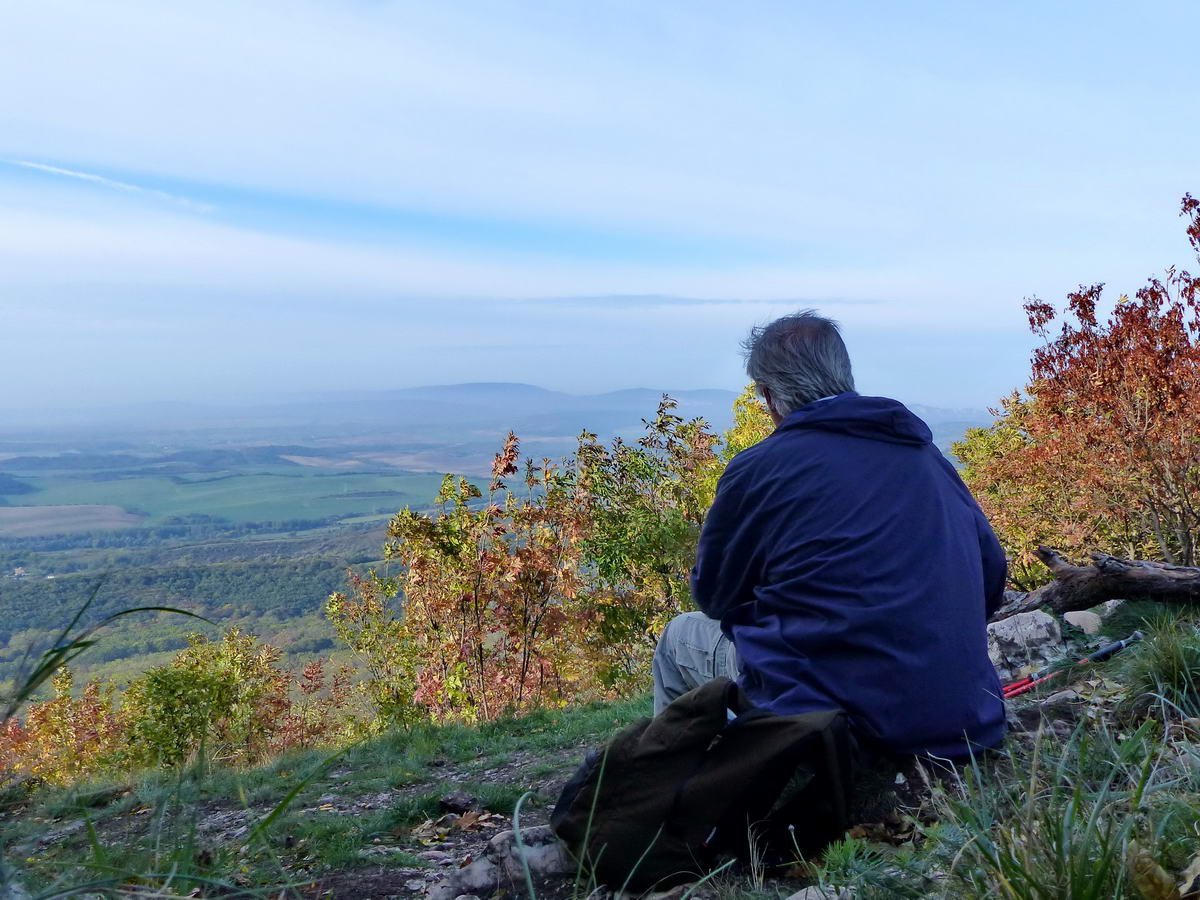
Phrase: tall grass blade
x=711 y=875
x=64 y=651
x=521 y=845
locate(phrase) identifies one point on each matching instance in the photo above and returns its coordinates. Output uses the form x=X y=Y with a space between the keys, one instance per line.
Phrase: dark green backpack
x=669 y=798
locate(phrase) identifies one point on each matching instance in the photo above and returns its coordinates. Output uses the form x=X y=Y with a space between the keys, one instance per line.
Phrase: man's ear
x=767 y=399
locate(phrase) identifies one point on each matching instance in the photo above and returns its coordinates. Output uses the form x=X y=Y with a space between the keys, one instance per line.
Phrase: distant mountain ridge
x=439 y=412
x=481 y=404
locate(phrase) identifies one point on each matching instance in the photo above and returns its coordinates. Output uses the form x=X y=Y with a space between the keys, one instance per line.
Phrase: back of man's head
x=798 y=359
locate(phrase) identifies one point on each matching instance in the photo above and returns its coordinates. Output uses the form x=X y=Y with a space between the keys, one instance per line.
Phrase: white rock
x=1026 y=640
x=503 y=860
x=1108 y=607
x=816 y=892
x=480 y=877
x=1085 y=621
x=542 y=851
x=677 y=892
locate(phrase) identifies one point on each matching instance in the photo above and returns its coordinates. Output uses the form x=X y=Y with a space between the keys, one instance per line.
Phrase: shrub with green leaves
x=228 y=695
x=171 y=708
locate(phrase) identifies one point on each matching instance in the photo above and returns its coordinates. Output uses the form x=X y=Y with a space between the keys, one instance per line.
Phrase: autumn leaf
x=1189 y=885
x=468 y=821
x=1150 y=880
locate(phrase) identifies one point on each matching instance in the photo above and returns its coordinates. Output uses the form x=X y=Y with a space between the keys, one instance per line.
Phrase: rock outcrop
x=1025 y=641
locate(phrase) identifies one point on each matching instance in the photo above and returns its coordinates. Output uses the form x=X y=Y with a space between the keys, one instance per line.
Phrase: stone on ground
x=1058 y=713
x=459 y=802
x=1086 y=621
x=482 y=877
x=816 y=892
x=1025 y=641
x=505 y=861
x=543 y=852
x=676 y=893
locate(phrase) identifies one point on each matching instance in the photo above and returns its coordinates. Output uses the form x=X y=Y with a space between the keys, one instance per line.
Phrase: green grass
x=1048 y=820
x=1131 y=616
x=1163 y=673
x=268 y=493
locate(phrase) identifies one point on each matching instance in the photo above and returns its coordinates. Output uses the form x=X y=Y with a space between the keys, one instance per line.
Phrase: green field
x=32 y=521
x=270 y=493
x=243 y=536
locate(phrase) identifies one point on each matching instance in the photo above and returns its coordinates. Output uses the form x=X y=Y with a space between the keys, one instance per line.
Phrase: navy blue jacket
x=853 y=569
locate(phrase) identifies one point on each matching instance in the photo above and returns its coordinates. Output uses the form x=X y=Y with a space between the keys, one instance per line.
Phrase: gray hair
x=798 y=358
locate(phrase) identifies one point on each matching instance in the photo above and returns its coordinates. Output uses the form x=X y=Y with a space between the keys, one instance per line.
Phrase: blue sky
x=241 y=199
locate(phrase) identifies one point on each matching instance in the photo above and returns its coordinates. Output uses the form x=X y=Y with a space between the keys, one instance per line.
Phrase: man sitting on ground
x=843 y=564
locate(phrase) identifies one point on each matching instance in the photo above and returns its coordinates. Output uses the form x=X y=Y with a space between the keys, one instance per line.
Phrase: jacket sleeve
x=995 y=564
x=729 y=555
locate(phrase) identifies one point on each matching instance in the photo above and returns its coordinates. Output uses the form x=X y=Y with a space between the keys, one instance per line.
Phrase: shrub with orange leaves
x=65 y=737
x=553 y=590
x=321 y=713
x=228 y=698
x=1101 y=452
x=487 y=586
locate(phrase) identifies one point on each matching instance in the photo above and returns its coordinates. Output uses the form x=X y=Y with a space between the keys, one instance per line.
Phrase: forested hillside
x=279 y=599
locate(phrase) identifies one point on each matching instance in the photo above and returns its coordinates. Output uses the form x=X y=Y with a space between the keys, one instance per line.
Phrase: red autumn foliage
x=1102 y=451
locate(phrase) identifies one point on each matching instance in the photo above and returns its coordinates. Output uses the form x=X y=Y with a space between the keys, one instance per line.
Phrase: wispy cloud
x=112 y=184
x=644 y=301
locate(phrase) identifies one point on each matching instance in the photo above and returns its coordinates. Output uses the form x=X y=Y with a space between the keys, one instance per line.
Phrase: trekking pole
x=1029 y=682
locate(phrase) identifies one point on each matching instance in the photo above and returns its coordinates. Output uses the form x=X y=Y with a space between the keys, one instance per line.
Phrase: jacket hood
x=873 y=418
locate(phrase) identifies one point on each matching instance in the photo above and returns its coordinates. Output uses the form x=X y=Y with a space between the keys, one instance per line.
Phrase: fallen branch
x=1107 y=578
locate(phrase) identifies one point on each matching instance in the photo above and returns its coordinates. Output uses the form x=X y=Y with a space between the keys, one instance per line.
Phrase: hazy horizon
x=242 y=199
x=961 y=370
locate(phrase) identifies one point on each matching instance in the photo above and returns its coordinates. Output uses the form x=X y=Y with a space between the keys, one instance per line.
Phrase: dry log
x=1107 y=578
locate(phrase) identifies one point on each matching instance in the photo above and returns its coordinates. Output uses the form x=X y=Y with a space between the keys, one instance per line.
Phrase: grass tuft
x=1163 y=672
